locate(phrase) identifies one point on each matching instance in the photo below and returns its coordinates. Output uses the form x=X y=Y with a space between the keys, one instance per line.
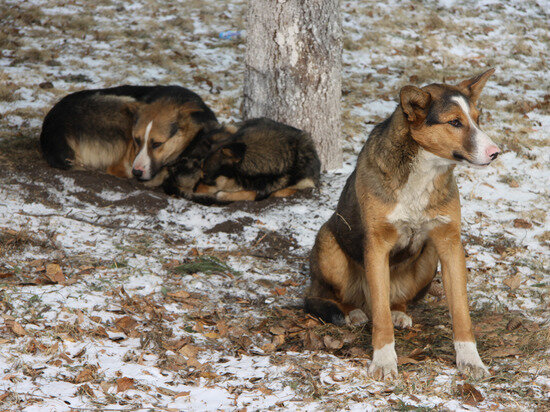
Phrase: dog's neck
x=395 y=157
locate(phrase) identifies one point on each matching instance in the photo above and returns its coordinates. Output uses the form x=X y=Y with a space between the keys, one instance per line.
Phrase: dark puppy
x=262 y=158
x=107 y=129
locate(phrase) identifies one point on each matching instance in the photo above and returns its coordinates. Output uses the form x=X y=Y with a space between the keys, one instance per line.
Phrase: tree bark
x=293 y=69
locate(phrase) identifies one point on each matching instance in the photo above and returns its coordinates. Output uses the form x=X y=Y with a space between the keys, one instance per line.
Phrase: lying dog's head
x=161 y=132
x=444 y=120
x=222 y=160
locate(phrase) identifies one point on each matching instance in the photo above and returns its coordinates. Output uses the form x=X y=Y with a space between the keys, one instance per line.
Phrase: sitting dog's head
x=444 y=120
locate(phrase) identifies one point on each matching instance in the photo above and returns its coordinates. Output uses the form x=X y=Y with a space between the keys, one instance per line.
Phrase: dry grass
x=8 y=92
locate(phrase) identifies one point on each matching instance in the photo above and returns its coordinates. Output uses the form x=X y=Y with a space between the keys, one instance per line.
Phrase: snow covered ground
x=117 y=297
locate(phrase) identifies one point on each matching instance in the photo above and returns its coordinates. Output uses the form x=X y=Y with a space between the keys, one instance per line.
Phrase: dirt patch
x=26 y=167
x=231 y=226
x=274 y=244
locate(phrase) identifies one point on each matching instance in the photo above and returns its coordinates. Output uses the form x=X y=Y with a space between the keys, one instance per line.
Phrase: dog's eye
x=154 y=145
x=455 y=123
x=137 y=140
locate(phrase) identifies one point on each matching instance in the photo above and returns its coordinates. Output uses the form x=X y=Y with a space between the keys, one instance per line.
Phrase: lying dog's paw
x=468 y=360
x=356 y=318
x=384 y=363
x=401 y=319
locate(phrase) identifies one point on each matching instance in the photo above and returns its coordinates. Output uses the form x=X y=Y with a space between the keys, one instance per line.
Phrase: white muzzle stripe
x=481 y=141
x=143 y=160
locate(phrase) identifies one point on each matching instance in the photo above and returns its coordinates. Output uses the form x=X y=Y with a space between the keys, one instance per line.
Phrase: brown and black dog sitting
x=125 y=131
x=398 y=216
x=260 y=159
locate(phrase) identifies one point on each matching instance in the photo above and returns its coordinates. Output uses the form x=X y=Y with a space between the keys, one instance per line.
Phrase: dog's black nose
x=494 y=155
x=137 y=173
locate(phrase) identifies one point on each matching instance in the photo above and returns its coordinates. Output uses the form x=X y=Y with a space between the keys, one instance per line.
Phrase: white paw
x=468 y=360
x=384 y=363
x=356 y=318
x=401 y=319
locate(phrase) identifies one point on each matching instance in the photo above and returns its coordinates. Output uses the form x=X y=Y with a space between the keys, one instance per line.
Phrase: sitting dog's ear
x=473 y=87
x=234 y=152
x=414 y=103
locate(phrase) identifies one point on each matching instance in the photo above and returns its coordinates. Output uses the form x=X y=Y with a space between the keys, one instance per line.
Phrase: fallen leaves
x=87 y=374
x=503 y=352
x=513 y=281
x=15 y=327
x=522 y=224
x=469 y=394
x=123 y=384
x=54 y=273
x=332 y=343
x=126 y=324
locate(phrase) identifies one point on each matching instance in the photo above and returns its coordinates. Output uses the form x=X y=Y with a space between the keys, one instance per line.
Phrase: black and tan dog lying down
x=259 y=159
x=139 y=131
x=125 y=131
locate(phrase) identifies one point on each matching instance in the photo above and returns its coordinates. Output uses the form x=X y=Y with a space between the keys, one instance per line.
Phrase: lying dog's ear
x=132 y=109
x=190 y=110
x=234 y=152
x=473 y=87
x=414 y=103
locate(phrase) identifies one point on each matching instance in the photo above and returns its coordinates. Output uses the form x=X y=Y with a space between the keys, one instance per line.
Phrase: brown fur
x=261 y=158
x=362 y=257
x=101 y=129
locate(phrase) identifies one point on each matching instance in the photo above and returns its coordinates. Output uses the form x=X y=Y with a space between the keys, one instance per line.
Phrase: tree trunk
x=293 y=69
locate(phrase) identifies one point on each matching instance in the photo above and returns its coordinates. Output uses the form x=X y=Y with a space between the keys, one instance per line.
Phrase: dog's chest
x=410 y=216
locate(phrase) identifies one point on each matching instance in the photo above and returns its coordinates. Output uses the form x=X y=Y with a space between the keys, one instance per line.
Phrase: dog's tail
x=325 y=309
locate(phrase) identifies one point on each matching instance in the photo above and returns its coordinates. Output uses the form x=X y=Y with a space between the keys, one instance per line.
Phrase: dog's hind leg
x=330 y=271
x=284 y=192
x=236 y=196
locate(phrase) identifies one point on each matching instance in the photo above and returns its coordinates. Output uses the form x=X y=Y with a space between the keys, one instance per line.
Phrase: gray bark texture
x=293 y=69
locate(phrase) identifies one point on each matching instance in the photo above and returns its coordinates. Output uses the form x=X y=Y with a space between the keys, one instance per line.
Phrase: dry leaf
x=313 y=341
x=222 y=328
x=470 y=394
x=268 y=348
x=180 y=394
x=16 y=327
x=404 y=360
x=54 y=273
x=279 y=291
x=86 y=375
x=504 y=352
x=211 y=335
x=179 y=295
x=278 y=340
x=513 y=282
x=192 y=362
x=189 y=351
x=311 y=323
x=126 y=324
x=123 y=384
x=277 y=330
x=332 y=343
x=522 y=224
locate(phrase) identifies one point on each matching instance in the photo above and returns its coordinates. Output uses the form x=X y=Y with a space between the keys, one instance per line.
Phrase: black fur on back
x=275 y=156
x=84 y=114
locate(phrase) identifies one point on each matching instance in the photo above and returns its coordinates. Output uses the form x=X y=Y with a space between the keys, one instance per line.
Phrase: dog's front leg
x=453 y=269
x=377 y=270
